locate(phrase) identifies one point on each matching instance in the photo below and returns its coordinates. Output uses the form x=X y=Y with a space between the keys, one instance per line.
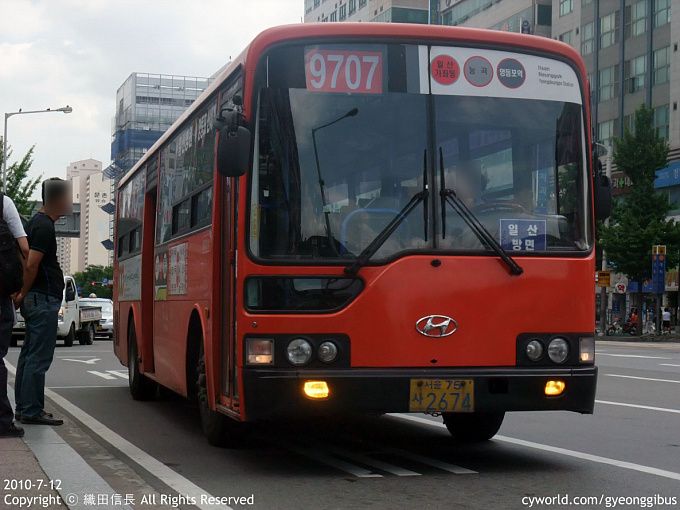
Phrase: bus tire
x=87 y=336
x=219 y=429
x=70 y=337
x=141 y=387
x=473 y=427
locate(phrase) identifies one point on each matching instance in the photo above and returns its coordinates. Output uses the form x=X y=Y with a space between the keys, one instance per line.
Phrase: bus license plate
x=442 y=395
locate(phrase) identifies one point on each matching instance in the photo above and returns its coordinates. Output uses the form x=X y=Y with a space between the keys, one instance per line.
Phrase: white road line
x=366 y=460
x=331 y=461
x=562 y=451
x=630 y=356
x=642 y=378
x=421 y=459
x=119 y=373
x=638 y=406
x=668 y=365
x=103 y=375
x=166 y=475
x=92 y=361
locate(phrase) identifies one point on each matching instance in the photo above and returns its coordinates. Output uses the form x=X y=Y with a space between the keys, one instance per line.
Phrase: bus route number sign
x=344 y=71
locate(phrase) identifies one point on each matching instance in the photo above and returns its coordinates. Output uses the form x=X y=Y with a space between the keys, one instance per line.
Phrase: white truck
x=74 y=321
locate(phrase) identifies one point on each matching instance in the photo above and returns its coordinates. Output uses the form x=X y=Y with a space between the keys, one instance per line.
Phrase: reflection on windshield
x=516 y=164
x=329 y=181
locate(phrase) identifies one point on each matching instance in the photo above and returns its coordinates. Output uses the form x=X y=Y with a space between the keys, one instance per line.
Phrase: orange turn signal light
x=554 y=388
x=316 y=389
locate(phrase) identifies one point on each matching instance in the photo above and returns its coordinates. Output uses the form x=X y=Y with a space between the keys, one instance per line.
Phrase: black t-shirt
x=42 y=238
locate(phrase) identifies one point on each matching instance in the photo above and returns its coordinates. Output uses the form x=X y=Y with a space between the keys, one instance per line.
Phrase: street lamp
x=603 y=290
x=63 y=109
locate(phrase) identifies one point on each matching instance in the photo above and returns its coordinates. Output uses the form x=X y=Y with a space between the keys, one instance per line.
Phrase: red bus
x=368 y=218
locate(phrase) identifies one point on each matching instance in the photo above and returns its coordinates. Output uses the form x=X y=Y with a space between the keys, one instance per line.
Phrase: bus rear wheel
x=473 y=427
x=141 y=387
x=219 y=429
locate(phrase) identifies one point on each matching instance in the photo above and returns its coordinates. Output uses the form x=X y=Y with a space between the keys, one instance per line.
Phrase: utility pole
x=603 y=290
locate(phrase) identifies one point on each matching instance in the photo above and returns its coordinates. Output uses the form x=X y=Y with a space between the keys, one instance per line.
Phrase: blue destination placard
x=523 y=235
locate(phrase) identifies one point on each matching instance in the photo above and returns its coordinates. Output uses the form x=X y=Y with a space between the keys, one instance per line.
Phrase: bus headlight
x=558 y=350
x=534 y=350
x=260 y=351
x=299 y=351
x=328 y=351
x=587 y=350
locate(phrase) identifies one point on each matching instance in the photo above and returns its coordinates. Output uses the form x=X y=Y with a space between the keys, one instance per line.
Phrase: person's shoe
x=12 y=431
x=43 y=419
x=17 y=415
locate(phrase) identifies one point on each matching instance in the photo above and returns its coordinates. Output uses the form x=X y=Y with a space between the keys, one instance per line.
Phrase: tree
x=639 y=219
x=20 y=187
x=91 y=281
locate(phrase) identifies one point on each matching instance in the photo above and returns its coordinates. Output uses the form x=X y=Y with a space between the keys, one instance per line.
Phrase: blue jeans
x=40 y=312
x=6 y=323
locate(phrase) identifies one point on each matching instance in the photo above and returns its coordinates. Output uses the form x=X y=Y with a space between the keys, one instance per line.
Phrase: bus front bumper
x=275 y=392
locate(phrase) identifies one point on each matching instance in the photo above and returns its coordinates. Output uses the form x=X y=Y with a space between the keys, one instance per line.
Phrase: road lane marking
x=103 y=375
x=643 y=378
x=92 y=361
x=562 y=451
x=157 y=469
x=630 y=356
x=668 y=365
x=421 y=459
x=352 y=469
x=119 y=373
x=638 y=406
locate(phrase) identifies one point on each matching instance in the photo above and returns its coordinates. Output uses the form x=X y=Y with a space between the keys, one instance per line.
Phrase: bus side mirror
x=233 y=146
x=603 y=197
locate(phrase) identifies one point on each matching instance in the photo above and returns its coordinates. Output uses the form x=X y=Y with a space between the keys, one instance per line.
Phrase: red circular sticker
x=445 y=70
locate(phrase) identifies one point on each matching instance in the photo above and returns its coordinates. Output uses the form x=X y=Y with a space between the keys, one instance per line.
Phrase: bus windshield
x=336 y=161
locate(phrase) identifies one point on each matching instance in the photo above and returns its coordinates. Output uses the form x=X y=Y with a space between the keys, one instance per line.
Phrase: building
x=523 y=16
x=394 y=11
x=91 y=191
x=146 y=106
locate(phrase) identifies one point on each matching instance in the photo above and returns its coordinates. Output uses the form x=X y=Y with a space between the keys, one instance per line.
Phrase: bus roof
x=400 y=31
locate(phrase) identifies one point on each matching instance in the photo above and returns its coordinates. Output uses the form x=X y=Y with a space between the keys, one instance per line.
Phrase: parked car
x=75 y=320
x=105 y=325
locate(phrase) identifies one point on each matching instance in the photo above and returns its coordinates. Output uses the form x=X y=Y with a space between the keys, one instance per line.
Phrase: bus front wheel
x=219 y=429
x=473 y=427
x=141 y=387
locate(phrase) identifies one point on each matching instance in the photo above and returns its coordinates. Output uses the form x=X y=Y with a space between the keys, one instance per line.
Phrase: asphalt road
x=629 y=448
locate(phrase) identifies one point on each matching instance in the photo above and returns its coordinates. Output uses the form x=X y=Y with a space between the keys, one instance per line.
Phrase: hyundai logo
x=436 y=326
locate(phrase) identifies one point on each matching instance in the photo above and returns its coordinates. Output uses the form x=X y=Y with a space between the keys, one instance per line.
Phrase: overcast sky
x=78 y=52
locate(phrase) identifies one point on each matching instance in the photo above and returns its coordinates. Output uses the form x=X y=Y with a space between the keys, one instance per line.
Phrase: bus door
x=148 y=269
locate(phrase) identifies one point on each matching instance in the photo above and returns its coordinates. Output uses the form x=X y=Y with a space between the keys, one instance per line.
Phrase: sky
x=78 y=52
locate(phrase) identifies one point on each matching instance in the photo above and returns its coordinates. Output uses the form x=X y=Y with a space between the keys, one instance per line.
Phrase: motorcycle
x=628 y=328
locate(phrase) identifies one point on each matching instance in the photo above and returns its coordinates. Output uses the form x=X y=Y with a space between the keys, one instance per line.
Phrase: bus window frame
x=260 y=82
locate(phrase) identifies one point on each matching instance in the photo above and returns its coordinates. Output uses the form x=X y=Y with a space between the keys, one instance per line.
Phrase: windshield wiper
x=389 y=229
x=449 y=196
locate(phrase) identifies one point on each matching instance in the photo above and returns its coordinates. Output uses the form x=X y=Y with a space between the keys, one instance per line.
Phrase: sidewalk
x=20 y=464
x=665 y=339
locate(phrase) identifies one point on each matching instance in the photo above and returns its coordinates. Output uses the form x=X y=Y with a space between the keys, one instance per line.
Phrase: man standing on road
x=40 y=299
x=11 y=234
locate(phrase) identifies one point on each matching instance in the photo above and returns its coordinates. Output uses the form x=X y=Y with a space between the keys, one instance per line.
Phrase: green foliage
x=20 y=187
x=95 y=274
x=639 y=218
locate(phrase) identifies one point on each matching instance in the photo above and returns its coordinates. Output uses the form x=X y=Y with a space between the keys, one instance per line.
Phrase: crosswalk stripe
x=368 y=461
x=428 y=461
x=331 y=461
x=103 y=375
